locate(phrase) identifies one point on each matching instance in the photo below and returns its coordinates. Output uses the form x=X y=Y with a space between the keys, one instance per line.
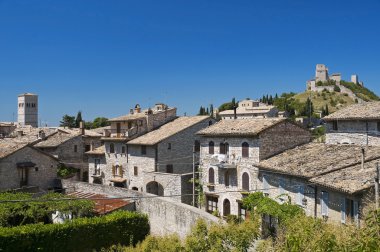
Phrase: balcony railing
x=120 y=133
x=225 y=161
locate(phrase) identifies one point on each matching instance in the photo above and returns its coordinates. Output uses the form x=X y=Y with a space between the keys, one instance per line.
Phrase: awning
x=25 y=165
x=118 y=180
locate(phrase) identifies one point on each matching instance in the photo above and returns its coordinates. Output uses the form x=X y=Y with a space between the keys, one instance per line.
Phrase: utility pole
x=193 y=175
x=377 y=185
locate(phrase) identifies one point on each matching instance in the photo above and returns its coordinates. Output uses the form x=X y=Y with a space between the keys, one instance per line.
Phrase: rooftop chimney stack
x=81 y=126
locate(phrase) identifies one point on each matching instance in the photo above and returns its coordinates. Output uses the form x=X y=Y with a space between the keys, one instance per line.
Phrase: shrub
x=65 y=172
x=336 y=88
x=83 y=234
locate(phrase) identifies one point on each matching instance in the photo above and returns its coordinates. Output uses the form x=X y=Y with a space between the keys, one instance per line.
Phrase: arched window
x=245 y=150
x=224 y=148
x=211 y=147
x=226 y=207
x=112 y=148
x=197 y=146
x=211 y=176
x=245 y=181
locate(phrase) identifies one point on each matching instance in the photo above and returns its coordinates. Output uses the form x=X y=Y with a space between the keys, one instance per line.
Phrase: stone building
x=6 y=129
x=22 y=165
x=229 y=151
x=357 y=124
x=327 y=181
x=322 y=76
x=250 y=109
x=27 y=110
x=158 y=162
x=69 y=146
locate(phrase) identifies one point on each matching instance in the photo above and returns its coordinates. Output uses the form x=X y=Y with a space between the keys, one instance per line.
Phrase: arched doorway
x=156 y=188
x=226 y=207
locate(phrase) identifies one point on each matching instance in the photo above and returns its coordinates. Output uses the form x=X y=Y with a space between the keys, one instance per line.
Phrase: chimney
x=131 y=111
x=363 y=159
x=137 y=108
x=81 y=126
x=20 y=133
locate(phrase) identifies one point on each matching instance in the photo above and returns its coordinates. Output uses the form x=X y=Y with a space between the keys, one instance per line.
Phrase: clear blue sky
x=103 y=57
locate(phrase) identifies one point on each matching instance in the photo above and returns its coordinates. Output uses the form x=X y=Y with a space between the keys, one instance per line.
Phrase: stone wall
x=282 y=137
x=166 y=216
x=353 y=132
x=42 y=175
x=290 y=186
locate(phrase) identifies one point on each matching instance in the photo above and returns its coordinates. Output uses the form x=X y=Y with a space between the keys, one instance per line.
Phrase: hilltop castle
x=322 y=76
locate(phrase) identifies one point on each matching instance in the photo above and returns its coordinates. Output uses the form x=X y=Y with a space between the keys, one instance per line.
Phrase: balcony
x=111 y=134
x=225 y=161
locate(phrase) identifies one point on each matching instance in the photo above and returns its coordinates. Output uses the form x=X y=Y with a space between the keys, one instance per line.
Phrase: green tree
x=78 y=119
x=212 y=110
x=68 y=121
x=100 y=122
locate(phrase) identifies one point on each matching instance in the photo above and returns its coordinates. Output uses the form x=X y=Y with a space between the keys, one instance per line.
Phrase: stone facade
x=250 y=109
x=353 y=132
x=28 y=167
x=340 y=207
x=27 y=110
x=224 y=182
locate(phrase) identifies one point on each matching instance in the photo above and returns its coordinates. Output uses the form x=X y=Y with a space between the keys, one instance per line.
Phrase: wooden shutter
x=325 y=204
x=356 y=212
x=343 y=210
x=121 y=171
x=113 y=170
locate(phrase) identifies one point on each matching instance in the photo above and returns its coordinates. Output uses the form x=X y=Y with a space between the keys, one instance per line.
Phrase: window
x=209 y=123
x=222 y=148
x=97 y=167
x=335 y=125
x=227 y=178
x=325 y=203
x=245 y=150
x=122 y=149
x=143 y=150
x=87 y=147
x=378 y=126
x=265 y=186
x=300 y=194
x=211 y=148
x=75 y=148
x=169 y=168
x=243 y=213
x=245 y=181
x=349 y=210
x=169 y=146
x=112 y=148
x=212 y=204
x=211 y=176
x=197 y=146
x=135 y=171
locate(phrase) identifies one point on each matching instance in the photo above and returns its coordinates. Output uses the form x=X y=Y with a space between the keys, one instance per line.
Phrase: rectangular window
x=212 y=204
x=378 y=126
x=97 y=166
x=169 y=146
x=335 y=125
x=75 y=148
x=135 y=171
x=169 y=168
x=325 y=203
x=143 y=150
x=122 y=149
x=265 y=186
x=300 y=195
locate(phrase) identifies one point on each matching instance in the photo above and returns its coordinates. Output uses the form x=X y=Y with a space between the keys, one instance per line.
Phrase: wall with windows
x=353 y=132
x=324 y=202
x=97 y=170
x=116 y=164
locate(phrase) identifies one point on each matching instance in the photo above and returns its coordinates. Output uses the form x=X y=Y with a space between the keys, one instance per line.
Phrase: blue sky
x=103 y=57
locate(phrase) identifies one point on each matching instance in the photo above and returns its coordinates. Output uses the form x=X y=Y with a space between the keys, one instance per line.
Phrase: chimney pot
x=81 y=126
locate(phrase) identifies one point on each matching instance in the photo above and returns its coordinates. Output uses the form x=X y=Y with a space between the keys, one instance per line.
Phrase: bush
x=65 y=172
x=336 y=89
x=84 y=234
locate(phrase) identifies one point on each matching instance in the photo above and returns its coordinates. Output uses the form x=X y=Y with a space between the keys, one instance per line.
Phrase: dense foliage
x=233 y=236
x=74 y=122
x=39 y=210
x=83 y=234
x=360 y=91
x=64 y=171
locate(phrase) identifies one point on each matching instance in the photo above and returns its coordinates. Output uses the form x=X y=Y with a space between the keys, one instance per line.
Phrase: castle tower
x=28 y=110
x=321 y=73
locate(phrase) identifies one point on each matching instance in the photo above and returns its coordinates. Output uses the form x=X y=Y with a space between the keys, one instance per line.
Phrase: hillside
x=333 y=100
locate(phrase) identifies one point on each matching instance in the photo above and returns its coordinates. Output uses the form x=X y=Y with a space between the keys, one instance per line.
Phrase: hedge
x=82 y=234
